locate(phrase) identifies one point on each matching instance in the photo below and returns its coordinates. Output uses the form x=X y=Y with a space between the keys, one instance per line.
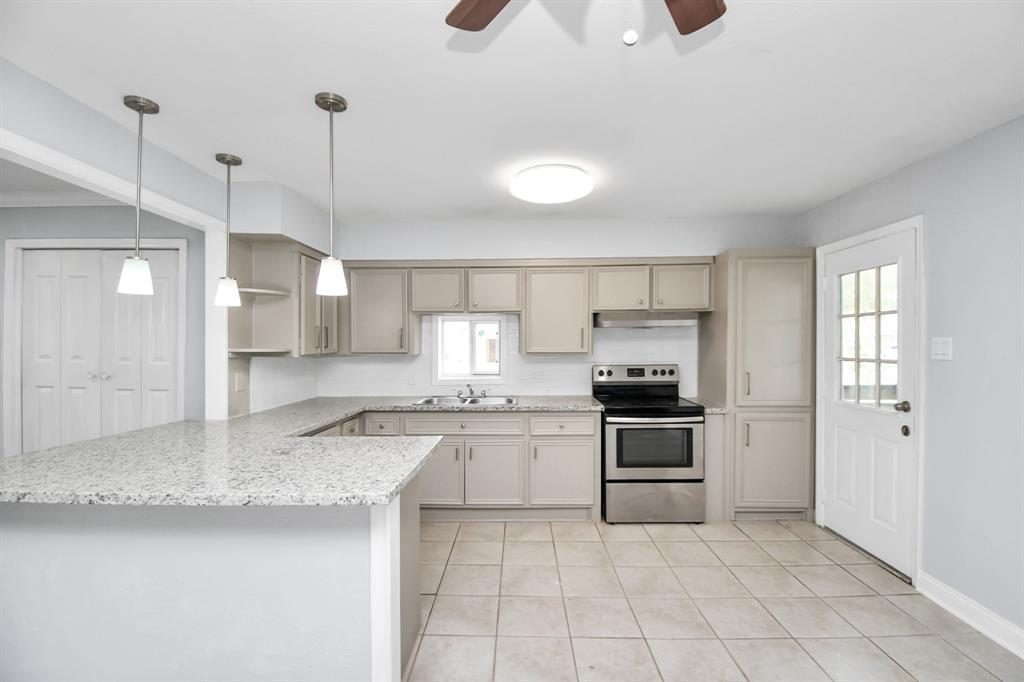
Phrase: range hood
x=645 y=319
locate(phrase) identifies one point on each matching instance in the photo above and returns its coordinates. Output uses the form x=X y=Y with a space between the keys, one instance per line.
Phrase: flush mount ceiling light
x=551 y=183
x=331 y=279
x=227 y=287
x=136 y=278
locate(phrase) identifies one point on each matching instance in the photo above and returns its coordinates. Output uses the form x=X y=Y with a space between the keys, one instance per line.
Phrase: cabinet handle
x=471 y=454
x=748 y=383
x=462 y=426
x=455 y=305
x=456 y=454
x=316 y=337
x=640 y=301
x=535 y=452
x=476 y=303
x=747 y=425
x=401 y=338
x=327 y=337
x=561 y=426
x=380 y=426
x=581 y=337
x=660 y=301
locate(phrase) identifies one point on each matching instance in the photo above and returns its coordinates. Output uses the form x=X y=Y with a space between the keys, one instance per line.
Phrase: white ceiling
x=780 y=106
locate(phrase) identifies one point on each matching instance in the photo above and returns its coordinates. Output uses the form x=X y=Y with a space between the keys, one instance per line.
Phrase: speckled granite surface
x=710 y=407
x=251 y=460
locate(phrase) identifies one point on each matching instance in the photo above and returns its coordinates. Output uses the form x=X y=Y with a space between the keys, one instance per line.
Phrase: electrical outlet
x=241 y=382
x=538 y=375
x=942 y=348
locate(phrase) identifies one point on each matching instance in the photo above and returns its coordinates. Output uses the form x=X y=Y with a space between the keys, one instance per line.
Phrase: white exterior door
x=95 y=362
x=869 y=403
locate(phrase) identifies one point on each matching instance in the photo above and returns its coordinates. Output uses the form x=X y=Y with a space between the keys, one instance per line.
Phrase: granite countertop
x=252 y=460
x=710 y=406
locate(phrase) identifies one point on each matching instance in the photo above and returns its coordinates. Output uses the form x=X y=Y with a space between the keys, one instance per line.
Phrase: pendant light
x=331 y=280
x=135 y=276
x=227 y=287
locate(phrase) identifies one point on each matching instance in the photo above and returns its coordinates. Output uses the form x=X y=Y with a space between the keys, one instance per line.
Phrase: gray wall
x=111 y=222
x=972 y=199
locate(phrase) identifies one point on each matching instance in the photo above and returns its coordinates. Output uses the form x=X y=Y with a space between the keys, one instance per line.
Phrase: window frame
x=476 y=379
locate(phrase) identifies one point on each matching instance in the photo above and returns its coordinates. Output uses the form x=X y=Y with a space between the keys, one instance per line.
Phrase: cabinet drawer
x=382 y=425
x=442 y=425
x=562 y=426
x=350 y=428
x=332 y=430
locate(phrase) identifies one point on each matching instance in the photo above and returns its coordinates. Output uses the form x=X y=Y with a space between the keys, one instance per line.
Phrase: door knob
x=902 y=406
x=905 y=430
x=104 y=376
x=91 y=376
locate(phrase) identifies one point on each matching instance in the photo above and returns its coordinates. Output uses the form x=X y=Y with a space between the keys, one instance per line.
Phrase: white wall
x=105 y=222
x=972 y=199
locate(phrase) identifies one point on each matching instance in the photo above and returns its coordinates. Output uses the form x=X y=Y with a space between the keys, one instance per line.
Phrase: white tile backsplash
x=273 y=379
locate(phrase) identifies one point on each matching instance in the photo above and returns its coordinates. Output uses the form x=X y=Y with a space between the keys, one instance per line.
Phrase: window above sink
x=469 y=349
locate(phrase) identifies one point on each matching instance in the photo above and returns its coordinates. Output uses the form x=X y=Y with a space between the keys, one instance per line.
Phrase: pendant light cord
x=227 y=228
x=138 y=189
x=331 y=155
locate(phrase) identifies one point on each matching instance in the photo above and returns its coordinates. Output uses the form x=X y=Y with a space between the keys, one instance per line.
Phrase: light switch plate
x=241 y=382
x=942 y=348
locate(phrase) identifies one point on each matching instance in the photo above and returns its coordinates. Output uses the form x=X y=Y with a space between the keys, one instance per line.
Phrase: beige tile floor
x=754 y=600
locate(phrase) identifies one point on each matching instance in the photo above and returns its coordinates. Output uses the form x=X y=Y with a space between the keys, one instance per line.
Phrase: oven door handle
x=654 y=420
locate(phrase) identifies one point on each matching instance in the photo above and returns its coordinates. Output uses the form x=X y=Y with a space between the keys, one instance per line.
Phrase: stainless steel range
x=653 y=445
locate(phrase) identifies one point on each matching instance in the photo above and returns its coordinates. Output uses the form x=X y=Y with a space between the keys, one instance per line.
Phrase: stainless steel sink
x=453 y=401
x=441 y=400
x=496 y=400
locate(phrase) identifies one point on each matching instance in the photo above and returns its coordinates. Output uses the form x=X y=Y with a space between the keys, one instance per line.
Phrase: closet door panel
x=81 y=289
x=40 y=350
x=159 y=341
x=121 y=343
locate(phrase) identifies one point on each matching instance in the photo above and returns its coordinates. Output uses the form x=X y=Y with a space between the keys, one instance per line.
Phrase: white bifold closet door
x=95 y=362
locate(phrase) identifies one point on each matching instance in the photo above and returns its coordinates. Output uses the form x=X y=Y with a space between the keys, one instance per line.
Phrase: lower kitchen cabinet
x=773 y=460
x=441 y=478
x=562 y=472
x=495 y=472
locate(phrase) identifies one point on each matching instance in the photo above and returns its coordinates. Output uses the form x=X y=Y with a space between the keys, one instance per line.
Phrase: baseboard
x=983 y=619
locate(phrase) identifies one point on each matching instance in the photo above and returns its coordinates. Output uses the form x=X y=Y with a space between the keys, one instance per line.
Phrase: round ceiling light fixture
x=551 y=183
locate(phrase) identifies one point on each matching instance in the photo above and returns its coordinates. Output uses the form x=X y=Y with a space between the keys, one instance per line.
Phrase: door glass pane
x=888 y=383
x=866 y=300
x=868 y=337
x=848 y=369
x=848 y=293
x=654 y=448
x=848 y=334
x=867 y=382
x=888 y=287
x=889 y=337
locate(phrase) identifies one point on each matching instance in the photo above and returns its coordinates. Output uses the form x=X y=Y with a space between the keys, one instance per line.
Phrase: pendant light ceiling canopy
x=227 y=288
x=331 y=279
x=136 y=278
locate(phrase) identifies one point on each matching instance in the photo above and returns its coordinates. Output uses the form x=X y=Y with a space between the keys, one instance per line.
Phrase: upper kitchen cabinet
x=682 y=287
x=623 y=287
x=318 y=315
x=377 y=312
x=438 y=290
x=557 y=316
x=495 y=290
x=757 y=347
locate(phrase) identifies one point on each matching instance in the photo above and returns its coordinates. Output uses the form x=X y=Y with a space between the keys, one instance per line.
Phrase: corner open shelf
x=260 y=351
x=254 y=291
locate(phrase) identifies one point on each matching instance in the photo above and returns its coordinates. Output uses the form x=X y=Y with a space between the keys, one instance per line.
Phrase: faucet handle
x=483 y=393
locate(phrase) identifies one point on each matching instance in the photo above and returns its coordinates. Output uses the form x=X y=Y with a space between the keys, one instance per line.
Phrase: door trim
x=823 y=363
x=14 y=250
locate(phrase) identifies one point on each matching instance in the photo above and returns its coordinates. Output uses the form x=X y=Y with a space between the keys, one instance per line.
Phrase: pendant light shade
x=227 y=287
x=227 y=293
x=135 y=275
x=331 y=279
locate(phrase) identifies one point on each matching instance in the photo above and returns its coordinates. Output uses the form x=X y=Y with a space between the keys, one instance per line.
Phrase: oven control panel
x=635 y=373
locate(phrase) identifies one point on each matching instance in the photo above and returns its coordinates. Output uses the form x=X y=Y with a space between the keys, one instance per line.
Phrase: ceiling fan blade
x=693 y=15
x=474 y=15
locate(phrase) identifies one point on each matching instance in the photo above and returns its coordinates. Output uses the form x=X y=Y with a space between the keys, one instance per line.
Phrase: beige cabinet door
x=329 y=324
x=682 y=287
x=494 y=472
x=493 y=290
x=774 y=332
x=773 y=460
x=310 y=336
x=380 y=310
x=562 y=472
x=624 y=287
x=557 y=315
x=438 y=290
x=440 y=480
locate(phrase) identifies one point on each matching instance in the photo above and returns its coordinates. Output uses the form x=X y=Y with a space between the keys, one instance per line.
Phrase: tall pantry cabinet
x=756 y=360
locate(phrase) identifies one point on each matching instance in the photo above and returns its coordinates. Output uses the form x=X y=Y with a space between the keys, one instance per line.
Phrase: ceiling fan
x=689 y=15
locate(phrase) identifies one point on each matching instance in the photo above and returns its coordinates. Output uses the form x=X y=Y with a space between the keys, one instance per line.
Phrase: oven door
x=654 y=448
